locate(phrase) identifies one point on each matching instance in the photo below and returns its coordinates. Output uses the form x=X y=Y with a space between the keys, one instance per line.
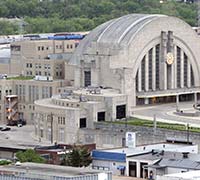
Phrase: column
x=163 y=67
x=195 y=98
x=139 y=79
x=146 y=100
x=182 y=69
x=147 y=72
x=138 y=169
x=188 y=74
x=165 y=76
x=154 y=69
x=175 y=67
x=177 y=102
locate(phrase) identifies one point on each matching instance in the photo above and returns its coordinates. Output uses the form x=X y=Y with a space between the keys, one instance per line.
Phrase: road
x=165 y=113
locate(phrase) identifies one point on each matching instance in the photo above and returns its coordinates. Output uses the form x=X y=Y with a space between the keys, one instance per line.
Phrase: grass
x=4 y=162
x=20 y=78
x=149 y=123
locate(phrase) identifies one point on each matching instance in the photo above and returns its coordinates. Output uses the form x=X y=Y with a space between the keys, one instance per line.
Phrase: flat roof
x=147 y=148
x=186 y=175
x=108 y=92
x=47 y=170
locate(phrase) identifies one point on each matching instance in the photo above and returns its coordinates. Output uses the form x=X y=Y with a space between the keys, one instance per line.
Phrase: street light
x=188 y=132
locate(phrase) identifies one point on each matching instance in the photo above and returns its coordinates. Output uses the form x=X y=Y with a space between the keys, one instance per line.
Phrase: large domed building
x=150 y=58
x=132 y=60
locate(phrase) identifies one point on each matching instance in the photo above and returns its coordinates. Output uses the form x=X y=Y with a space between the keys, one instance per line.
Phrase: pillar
x=154 y=69
x=138 y=169
x=139 y=79
x=163 y=66
x=146 y=100
x=182 y=69
x=175 y=67
x=147 y=72
x=177 y=102
x=188 y=74
x=195 y=98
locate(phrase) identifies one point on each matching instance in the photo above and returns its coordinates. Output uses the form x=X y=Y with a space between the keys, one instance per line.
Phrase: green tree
x=78 y=157
x=29 y=155
x=7 y=28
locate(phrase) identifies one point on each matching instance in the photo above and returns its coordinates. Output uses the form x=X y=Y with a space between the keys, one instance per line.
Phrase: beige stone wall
x=4 y=68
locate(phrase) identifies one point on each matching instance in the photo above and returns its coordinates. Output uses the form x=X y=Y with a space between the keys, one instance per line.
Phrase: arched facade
x=150 y=58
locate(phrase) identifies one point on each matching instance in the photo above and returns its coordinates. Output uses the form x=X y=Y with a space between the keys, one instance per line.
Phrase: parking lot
x=20 y=136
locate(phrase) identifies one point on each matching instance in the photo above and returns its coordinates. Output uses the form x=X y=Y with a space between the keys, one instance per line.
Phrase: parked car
x=5 y=129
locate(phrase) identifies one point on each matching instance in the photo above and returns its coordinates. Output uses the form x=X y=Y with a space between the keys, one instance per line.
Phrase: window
x=157 y=66
x=76 y=45
x=185 y=70
x=41 y=132
x=120 y=111
x=42 y=48
x=61 y=135
x=71 y=46
x=178 y=67
x=87 y=75
x=143 y=74
x=101 y=116
x=83 y=123
x=38 y=48
x=15 y=48
x=150 y=68
x=49 y=133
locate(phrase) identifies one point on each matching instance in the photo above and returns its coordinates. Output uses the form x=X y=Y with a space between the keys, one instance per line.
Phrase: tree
x=29 y=155
x=7 y=28
x=78 y=157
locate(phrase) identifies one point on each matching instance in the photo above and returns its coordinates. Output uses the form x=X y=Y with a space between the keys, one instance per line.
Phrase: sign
x=130 y=139
x=102 y=176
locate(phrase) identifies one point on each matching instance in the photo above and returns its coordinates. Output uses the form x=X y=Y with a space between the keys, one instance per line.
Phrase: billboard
x=130 y=139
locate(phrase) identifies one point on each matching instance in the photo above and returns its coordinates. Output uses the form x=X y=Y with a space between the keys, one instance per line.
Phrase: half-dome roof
x=117 y=31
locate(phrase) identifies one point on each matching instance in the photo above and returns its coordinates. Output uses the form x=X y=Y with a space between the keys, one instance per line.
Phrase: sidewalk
x=125 y=178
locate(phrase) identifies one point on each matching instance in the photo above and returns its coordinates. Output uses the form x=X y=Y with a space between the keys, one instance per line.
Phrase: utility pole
x=188 y=131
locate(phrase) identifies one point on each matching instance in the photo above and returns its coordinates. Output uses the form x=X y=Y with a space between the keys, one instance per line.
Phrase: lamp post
x=188 y=133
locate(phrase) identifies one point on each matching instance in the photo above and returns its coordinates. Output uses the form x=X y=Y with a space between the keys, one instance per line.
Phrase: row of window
x=7 y=92
x=68 y=46
x=45 y=66
x=33 y=92
x=30 y=73
x=23 y=107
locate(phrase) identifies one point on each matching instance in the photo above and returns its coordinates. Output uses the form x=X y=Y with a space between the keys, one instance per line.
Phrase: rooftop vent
x=185 y=155
x=66 y=94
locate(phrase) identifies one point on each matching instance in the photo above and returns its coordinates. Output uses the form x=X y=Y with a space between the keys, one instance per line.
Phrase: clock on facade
x=170 y=58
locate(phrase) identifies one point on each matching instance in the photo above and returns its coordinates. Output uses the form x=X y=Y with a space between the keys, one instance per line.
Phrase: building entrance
x=167 y=99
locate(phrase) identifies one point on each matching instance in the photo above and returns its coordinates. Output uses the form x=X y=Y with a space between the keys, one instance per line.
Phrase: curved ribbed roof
x=118 y=31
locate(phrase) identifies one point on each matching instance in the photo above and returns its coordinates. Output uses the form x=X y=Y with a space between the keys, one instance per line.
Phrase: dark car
x=5 y=129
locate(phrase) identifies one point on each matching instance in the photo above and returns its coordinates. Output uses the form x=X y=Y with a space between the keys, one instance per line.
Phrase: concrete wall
x=145 y=135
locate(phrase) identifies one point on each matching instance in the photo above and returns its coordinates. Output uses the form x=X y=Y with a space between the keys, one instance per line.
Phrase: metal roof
x=179 y=163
